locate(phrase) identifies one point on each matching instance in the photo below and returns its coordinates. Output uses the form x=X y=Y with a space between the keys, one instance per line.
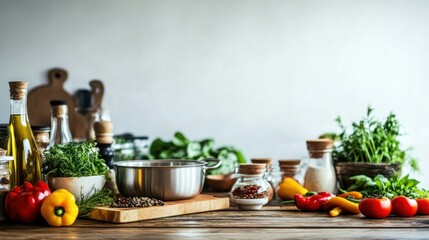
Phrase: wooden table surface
x=272 y=222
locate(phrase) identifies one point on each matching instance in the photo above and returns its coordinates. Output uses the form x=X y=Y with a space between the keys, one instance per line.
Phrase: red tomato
x=423 y=206
x=404 y=207
x=375 y=207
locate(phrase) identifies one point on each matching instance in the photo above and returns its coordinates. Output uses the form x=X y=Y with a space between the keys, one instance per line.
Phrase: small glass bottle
x=251 y=190
x=60 y=130
x=21 y=144
x=271 y=179
x=320 y=174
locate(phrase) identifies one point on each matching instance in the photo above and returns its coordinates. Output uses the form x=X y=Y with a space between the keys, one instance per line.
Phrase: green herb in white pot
x=77 y=167
x=73 y=159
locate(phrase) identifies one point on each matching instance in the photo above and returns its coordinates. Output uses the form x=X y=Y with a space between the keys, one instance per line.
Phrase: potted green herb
x=75 y=166
x=371 y=147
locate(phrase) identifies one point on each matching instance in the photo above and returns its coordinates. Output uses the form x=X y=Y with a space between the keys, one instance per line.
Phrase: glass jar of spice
x=41 y=135
x=251 y=190
x=4 y=181
x=320 y=174
x=271 y=179
x=292 y=168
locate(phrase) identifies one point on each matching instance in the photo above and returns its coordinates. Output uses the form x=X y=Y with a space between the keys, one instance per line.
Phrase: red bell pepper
x=313 y=203
x=23 y=203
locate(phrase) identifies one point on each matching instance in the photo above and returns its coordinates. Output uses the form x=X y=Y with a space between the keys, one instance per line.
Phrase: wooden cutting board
x=201 y=203
x=39 y=108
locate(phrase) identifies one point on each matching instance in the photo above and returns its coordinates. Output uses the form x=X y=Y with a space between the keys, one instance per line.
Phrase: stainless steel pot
x=162 y=179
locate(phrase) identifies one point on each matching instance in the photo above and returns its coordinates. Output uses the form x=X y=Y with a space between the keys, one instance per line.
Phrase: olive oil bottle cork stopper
x=18 y=90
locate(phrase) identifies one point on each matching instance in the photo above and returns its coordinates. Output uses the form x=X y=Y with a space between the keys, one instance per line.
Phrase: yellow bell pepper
x=60 y=209
x=288 y=188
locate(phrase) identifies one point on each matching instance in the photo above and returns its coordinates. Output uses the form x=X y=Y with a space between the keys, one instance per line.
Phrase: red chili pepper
x=313 y=203
x=23 y=203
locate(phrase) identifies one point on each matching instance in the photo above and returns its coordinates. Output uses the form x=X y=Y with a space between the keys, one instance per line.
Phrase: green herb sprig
x=103 y=197
x=73 y=159
x=372 y=141
x=390 y=188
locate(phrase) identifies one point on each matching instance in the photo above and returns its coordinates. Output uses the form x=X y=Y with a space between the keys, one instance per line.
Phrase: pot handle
x=217 y=162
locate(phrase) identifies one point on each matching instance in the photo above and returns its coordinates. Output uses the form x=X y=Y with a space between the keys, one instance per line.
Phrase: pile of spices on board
x=129 y=202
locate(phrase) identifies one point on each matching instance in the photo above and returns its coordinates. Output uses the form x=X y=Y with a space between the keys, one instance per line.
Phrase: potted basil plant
x=75 y=166
x=372 y=147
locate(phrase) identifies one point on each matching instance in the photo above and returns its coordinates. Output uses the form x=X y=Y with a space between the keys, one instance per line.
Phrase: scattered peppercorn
x=129 y=202
x=249 y=192
x=4 y=180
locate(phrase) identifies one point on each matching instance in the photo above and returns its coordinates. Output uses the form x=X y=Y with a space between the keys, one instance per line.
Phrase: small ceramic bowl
x=221 y=183
x=78 y=186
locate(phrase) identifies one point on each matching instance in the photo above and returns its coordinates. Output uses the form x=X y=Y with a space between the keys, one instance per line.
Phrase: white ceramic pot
x=78 y=186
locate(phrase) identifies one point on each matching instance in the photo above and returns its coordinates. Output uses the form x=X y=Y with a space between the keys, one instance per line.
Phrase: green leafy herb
x=180 y=147
x=73 y=159
x=103 y=197
x=390 y=188
x=372 y=141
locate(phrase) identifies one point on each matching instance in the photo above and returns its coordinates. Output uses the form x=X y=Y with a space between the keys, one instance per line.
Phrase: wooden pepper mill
x=104 y=138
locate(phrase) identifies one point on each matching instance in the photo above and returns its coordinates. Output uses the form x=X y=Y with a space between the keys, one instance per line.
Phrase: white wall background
x=261 y=75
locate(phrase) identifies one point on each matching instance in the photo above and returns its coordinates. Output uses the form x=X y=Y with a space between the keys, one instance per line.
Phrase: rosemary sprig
x=103 y=197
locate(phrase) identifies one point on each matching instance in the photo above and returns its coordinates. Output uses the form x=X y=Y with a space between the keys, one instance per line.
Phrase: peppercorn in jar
x=251 y=191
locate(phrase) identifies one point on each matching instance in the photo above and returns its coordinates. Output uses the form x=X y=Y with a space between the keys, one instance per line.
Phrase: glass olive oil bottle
x=21 y=144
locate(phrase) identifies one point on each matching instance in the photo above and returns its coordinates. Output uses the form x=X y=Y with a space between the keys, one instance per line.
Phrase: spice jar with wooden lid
x=292 y=168
x=320 y=174
x=4 y=181
x=270 y=176
x=251 y=191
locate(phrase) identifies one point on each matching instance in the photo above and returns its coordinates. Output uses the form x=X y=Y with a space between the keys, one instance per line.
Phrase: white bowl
x=250 y=204
x=78 y=186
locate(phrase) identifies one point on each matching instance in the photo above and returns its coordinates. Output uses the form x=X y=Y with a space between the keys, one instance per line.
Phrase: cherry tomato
x=404 y=207
x=375 y=207
x=423 y=206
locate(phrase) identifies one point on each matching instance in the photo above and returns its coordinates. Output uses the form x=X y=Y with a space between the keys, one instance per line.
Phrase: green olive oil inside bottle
x=26 y=166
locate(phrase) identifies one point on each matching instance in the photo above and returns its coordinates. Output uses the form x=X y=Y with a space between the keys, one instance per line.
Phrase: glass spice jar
x=271 y=179
x=41 y=135
x=320 y=173
x=4 y=134
x=251 y=191
x=292 y=168
x=4 y=183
